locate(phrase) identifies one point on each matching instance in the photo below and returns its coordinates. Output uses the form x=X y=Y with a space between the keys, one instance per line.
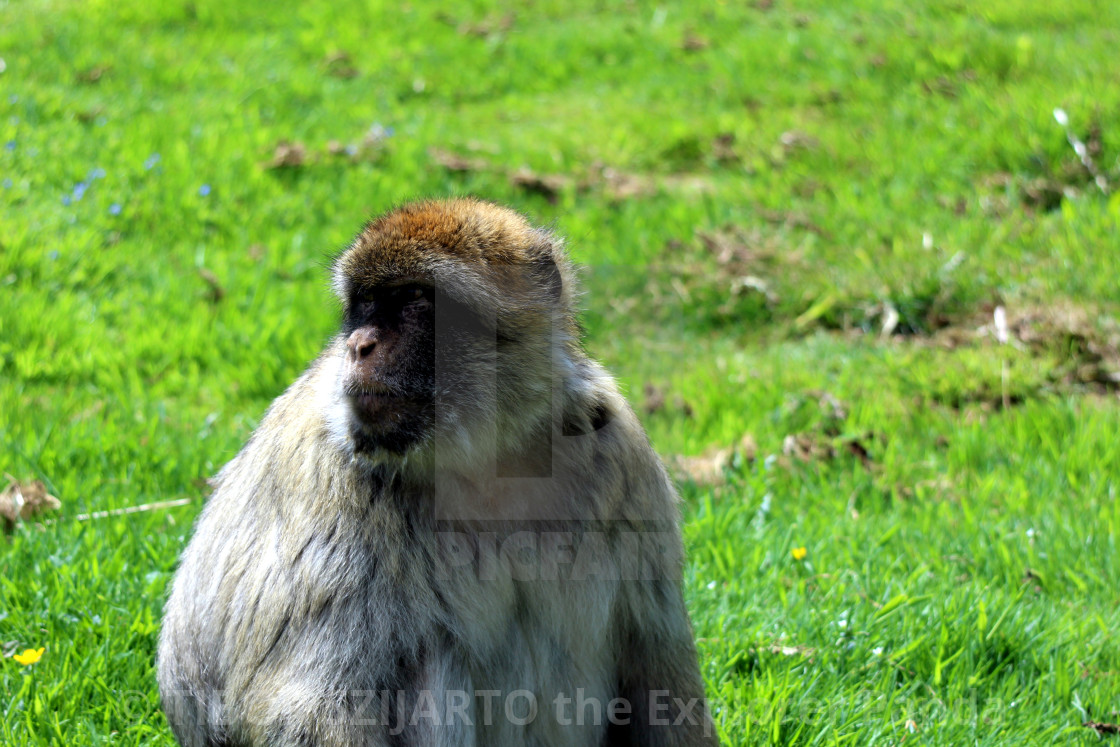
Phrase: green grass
x=859 y=162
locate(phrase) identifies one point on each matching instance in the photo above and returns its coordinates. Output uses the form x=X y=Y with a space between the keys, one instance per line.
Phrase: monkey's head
x=456 y=317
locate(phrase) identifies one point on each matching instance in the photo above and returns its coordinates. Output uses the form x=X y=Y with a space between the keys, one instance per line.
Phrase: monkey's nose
x=361 y=342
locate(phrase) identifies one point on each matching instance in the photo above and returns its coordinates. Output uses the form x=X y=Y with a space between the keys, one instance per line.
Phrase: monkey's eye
x=408 y=293
x=364 y=296
x=369 y=299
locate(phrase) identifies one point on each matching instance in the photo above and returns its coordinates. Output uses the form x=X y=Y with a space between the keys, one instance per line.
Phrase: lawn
x=845 y=259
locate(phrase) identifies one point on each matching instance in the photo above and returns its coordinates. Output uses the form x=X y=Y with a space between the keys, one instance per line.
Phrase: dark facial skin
x=389 y=372
x=403 y=361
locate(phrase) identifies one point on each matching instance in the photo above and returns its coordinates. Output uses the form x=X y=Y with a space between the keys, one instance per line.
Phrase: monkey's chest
x=426 y=652
x=532 y=659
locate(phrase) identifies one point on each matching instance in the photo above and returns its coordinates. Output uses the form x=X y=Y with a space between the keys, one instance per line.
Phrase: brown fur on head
x=471 y=249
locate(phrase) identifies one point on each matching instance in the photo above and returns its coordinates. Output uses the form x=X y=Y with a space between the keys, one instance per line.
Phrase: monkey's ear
x=547 y=276
x=543 y=269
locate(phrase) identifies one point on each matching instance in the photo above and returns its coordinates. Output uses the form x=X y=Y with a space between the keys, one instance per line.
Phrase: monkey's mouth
x=375 y=408
x=374 y=400
x=383 y=418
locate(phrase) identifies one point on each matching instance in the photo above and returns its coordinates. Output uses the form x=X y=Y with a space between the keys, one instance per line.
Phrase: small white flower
x=1061 y=117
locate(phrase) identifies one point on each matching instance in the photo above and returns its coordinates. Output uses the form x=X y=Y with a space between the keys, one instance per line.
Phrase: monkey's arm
x=656 y=669
x=658 y=673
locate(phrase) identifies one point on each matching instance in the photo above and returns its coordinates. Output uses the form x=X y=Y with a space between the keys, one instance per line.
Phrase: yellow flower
x=30 y=656
x=799 y=553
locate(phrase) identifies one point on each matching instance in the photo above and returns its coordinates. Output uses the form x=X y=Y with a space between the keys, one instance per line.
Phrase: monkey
x=451 y=529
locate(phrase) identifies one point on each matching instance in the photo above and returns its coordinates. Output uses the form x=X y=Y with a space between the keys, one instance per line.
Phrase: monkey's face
x=447 y=344
x=388 y=375
x=415 y=358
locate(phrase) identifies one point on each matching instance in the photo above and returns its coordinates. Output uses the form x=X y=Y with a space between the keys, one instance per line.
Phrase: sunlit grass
x=796 y=224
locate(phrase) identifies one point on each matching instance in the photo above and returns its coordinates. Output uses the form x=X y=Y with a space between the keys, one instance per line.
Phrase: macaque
x=450 y=530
